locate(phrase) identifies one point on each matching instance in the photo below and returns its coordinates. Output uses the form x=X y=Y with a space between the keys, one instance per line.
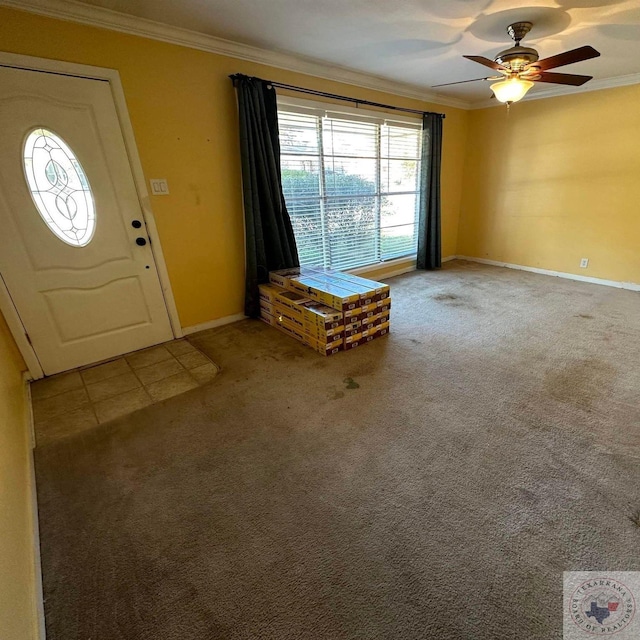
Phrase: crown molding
x=560 y=90
x=74 y=11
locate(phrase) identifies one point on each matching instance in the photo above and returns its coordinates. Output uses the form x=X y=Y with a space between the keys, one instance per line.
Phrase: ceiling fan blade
x=486 y=62
x=448 y=84
x=568 y=57
x=563 y=78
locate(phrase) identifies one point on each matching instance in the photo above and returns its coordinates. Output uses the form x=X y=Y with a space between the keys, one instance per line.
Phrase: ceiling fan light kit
x=511 y=90
x=521 y=67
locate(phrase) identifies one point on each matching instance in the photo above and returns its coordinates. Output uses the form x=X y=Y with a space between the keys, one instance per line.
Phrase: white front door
x=74 y=251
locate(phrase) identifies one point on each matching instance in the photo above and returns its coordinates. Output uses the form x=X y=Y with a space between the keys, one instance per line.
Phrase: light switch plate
x=159 y=187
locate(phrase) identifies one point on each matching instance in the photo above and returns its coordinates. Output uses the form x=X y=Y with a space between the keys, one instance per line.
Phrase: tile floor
x=81 y=399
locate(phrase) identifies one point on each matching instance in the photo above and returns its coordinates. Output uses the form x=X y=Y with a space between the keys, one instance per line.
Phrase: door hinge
x=28 y=338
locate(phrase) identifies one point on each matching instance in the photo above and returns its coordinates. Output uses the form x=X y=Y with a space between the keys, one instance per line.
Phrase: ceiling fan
x=520 y=67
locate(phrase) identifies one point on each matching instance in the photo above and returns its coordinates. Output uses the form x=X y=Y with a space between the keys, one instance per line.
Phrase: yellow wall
x=184 y=116
x=17 y=568
x=555 y=181
x=183 y=110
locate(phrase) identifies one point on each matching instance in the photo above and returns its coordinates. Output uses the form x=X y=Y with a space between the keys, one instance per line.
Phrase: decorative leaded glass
x=59 y=187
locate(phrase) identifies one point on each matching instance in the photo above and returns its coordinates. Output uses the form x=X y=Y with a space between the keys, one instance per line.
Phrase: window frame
x=337 y=110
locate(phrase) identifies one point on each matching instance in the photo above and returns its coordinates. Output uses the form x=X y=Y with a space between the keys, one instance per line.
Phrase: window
x=59 y=187
x=351 y=184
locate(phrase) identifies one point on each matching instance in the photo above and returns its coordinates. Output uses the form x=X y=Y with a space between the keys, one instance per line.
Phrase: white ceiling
x=417 y=42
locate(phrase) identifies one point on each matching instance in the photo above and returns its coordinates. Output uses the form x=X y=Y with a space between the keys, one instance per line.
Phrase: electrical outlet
x=584 y=263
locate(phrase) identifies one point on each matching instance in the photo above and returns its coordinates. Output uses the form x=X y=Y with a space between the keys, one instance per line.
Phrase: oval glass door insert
x=59 y=187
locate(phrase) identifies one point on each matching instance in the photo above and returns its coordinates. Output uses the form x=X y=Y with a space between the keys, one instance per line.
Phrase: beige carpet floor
x=432 y=484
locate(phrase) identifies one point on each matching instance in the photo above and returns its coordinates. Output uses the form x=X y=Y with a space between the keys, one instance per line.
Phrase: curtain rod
x=335 y=96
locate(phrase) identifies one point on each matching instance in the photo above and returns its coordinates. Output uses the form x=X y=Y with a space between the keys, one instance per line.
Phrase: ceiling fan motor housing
x=517 y=58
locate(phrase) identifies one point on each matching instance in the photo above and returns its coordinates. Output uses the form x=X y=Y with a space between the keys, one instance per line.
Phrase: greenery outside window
x=351 y=183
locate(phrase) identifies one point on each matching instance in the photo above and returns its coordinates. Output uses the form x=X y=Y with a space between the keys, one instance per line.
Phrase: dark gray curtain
x=270 y=243
x=429 y=250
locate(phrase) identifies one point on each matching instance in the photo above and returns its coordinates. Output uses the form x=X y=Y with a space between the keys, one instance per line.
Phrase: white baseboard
x=631 y=286
x=448 y=258
x=212 y=324
x=38 y=595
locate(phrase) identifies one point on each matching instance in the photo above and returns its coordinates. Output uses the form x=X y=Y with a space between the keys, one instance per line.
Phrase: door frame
x=112 y=76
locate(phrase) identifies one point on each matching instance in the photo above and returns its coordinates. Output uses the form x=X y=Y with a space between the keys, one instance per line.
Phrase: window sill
x=388 y=268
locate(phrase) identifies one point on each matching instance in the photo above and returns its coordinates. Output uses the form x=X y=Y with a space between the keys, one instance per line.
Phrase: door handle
x=141 y=242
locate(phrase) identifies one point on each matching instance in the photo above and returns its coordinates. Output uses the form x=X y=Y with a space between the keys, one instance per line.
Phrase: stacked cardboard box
x=310 y=322
x=328 y=310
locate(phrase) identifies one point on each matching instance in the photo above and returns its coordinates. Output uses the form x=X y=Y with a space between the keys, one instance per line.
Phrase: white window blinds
x=351 y=184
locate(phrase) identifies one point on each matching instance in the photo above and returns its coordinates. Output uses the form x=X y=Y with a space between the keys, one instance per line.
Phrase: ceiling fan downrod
x=518 y=30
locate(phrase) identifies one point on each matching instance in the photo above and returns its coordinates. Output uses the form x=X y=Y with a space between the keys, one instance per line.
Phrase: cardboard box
x=317 y=333
x=314 y=318
x=352 y=332
x=325 y=290
x=324 y=309
x=325 y=348
x=300 y=332
x=283 y=312
x=368 y=291
x=266 y=307
x=308 y=311
x=323 y=316
x=268 y=292
x=365 y=317
x=268 y=319
x=337 y=289
x=366 y=295
x=307 y=324
x=381 y=330
x=353 y=315
x=374 y=321
x=379 y=289
x=371 y=312
x=354 y=337
x=292 y=300
x=363 y=333
x=293 y=331
x=283 y=277
x=350 y=324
